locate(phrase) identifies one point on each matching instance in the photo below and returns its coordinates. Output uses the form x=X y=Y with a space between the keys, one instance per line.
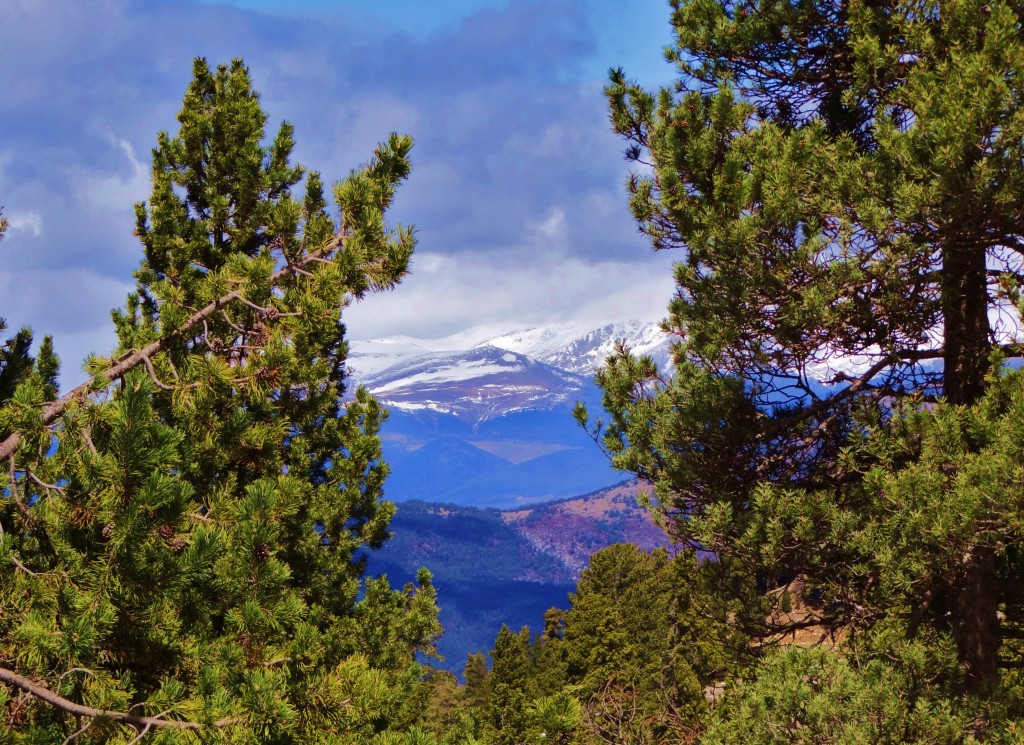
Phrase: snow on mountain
x=477 y=375
x=588 y=352
x=576 y=347
x=474 y=384
x=581 y=349
x=541 y=341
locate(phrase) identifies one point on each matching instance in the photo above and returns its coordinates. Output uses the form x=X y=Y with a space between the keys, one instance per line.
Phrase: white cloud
x=446 y=294
x=115 y=193
x=553 y=230
x=28 y=222
x=516 y=189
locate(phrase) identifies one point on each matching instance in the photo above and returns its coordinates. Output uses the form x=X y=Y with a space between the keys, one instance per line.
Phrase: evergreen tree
x=818 y=696
x=643 y=637
x=16 y=360
x=185 y=534
x=628 y=663
x=478 y=689
x=509 y=686
x=844 y=179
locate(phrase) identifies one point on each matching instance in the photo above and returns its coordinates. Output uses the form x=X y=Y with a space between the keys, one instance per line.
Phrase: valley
x=507 y=566
x=500 y=493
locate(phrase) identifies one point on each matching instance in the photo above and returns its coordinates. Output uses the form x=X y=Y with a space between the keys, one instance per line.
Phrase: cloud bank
x=517 y=186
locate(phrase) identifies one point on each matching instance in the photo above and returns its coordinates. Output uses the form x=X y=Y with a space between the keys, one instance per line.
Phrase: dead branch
x=39 y=482
x=79 y=732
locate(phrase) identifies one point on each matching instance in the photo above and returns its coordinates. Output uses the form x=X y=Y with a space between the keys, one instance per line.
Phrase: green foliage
x=628 y=662
x=554 y=718
x=643 y=638
x=185 y=540
x=815 y=695
x=627 y=607
x=16 y=361
x=478 y=688
x=509 y=681
x=841 y=178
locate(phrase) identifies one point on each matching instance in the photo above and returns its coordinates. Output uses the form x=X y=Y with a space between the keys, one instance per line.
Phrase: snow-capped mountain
x=474 y=384
x=479 y=378
x=484 y=417
x=584 y=351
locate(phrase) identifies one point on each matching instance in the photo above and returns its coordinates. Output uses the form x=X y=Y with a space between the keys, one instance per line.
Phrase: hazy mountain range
x=480 y=421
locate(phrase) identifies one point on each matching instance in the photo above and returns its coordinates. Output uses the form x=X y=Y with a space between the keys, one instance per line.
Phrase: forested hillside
x=494 y=567
x=193 y=540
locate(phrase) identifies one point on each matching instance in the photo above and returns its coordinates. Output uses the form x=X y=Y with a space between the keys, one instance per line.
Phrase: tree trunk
x=976 y=625
x=965 y=321
x=967 y=344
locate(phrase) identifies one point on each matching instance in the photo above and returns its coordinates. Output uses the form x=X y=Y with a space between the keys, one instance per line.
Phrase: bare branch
x=143 y=733
x=148 y=363
x=133 y=720
x=14 y=556
x=88 y=441
x=856 y=384
x=77 y=733
x=39 y=482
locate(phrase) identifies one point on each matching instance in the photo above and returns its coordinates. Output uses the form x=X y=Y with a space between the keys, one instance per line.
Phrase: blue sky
x=517 y=191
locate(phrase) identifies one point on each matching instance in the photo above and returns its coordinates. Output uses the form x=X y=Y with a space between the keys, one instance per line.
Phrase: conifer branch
x=78 y=732
x=148 y=363
x=856 y=384
x=39 y=482
x=137 y=721
x=142 y=733
x=14 y=557
x=12 y=475
x=88 y=441
x=53 y=410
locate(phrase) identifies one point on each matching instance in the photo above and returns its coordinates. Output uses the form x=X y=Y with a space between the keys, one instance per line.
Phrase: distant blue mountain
x=491 y=424
x=519 y=458
x=485 y=423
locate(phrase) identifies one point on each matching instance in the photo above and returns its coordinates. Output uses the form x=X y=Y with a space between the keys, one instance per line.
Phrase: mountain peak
x=477 y=377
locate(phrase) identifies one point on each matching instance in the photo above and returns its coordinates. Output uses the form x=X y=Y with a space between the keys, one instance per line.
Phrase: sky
x=518 y=185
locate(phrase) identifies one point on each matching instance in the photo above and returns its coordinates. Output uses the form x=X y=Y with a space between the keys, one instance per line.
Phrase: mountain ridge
x=507 y=566
x=483 y=418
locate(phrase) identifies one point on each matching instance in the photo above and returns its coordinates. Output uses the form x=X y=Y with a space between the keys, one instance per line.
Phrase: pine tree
x=844 y=179
x=185 y=534
x=509 y=686
x=476 y=674
x=643 y=638
x=16 y=360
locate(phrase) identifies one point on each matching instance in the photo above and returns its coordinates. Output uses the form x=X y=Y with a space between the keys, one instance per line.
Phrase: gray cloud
x=517 y=186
